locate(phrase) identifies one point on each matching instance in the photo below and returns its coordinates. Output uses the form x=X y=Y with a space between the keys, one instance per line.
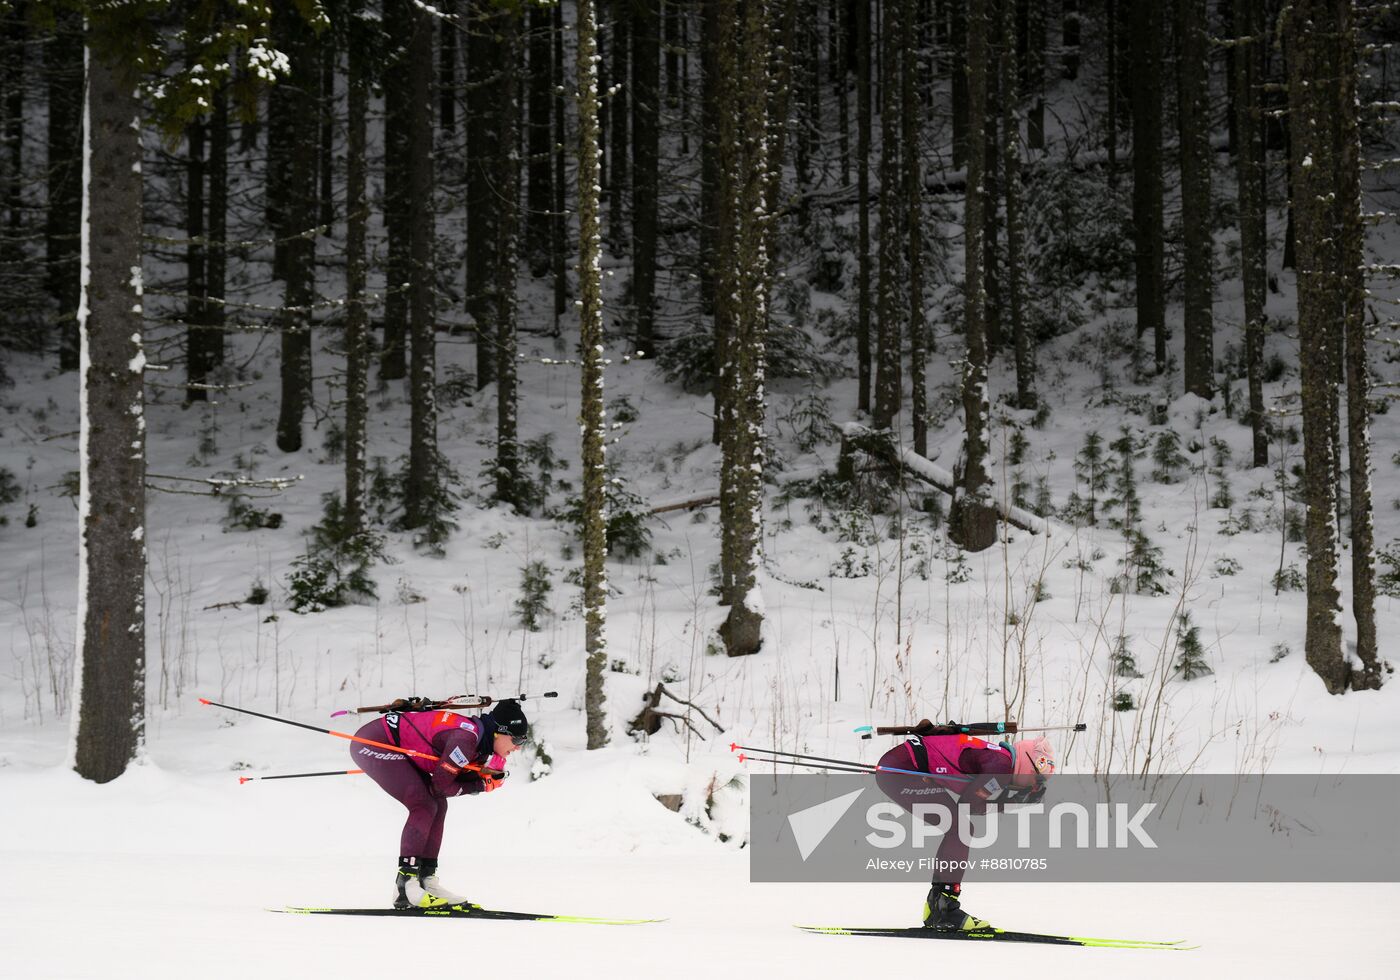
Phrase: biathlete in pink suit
x=471 y=756
x=962 y=769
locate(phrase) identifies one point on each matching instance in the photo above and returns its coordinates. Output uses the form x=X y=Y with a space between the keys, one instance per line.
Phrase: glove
x=482 y=782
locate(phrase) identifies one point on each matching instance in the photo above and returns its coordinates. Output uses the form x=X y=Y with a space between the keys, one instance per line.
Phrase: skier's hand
x=491 y=781
x=482 y=781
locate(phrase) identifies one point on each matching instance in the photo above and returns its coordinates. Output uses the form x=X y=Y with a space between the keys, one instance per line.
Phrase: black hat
x=510 y=720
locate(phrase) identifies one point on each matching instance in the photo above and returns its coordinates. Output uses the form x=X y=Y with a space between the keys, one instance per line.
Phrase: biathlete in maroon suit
x=963 y=769
x=470 y=756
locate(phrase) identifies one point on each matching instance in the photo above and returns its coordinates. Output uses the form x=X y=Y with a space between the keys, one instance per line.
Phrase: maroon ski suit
x=423 y=785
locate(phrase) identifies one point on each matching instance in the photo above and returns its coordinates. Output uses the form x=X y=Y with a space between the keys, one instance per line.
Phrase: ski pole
x=820 y=762
x=326 y=731
x=428 y=704
x=813 y=765
x=304 y=775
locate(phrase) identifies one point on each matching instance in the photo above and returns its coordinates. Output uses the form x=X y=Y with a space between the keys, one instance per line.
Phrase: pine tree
x=1191 y=656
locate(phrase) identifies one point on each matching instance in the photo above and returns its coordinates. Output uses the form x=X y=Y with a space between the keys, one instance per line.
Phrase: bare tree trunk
x=911 y=110
x=862 y=32
x=646 y=95
x=1023 y=343
x=1249 y=158
x=744 y=132
x=298 y=207
x=1148 y=247
x=196 y=305
x=558 y=225
x=421 y=485
x=481 y=119
x=591 y=417
x=892 y=279
x=1310 y=28
x=1193 y=116
x=216 y=263
x=398 y=27
x=110 y=667
x=507 y=189
x=1353 y=284
x=619 y=173
x=540 y=168
x=63 y=70
x=356 y=233
x=972 y=522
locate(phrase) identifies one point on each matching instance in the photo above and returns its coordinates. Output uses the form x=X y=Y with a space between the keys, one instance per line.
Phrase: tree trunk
x=618 y=170
x=356 y=315
x=1035 y=72
x=1023 y=343
x=1249 y=160
x=110 y=660
x=958 y=41
x=591 y=416
x=744 y=130
x=862 y=33
x=196 y=290
x=325 y=214
x=398 y=28
x=63 y=71
x=16 y=35
x=540 y=169
x=1310 y=28
x=421 y=489
x=481 y=120
x=448 y=29
x=298 y=207
x=646 y=68
x=1148 y=248
x=1353 y=285
x=891 y=293
x=972 y=522
x=558 y=225
x=216 y=261
x=911 y=111
x=1193 y=117
x=507 y=189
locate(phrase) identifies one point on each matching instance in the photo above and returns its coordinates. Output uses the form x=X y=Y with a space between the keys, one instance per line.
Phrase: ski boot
x=417 y=886
x=943 y=912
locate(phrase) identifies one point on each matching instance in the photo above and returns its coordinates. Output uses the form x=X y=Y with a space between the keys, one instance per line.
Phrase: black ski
x=995 y=935
x=468 y=912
